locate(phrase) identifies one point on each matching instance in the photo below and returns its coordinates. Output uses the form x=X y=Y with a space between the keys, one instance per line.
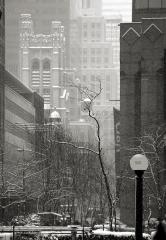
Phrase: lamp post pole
x=139 y=204
x=139 y=163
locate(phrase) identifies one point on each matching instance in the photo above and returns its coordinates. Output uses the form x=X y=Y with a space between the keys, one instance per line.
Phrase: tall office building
x=118 y=8
x=43 y=12
x=143 y=93
x=42 y=63
x=92 y=54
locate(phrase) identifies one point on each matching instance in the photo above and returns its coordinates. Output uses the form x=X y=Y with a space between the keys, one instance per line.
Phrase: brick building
x=142 y=79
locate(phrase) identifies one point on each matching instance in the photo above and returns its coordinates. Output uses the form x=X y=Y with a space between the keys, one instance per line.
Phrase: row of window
x=92 y=25
x=95 y=51
x=95 y=35
x=45 y=64
x=94 y=60
x=86 y=3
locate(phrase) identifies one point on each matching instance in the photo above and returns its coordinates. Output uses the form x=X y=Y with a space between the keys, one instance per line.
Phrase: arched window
x=46 y=75
x=35 y=74
x=46 y=65
x=35 y=64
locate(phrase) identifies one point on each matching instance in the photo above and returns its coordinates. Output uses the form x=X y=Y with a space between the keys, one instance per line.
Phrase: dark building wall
x=142 y=91
x=2 y=65
x=2 y=105
x=148 y=9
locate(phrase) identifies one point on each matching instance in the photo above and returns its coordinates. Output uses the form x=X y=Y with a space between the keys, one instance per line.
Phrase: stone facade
x=43 y=13
x=148 y=9
x=142 y=80
x=42 y=63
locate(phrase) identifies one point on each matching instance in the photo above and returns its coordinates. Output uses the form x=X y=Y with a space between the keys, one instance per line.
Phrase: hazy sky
x=119 y=7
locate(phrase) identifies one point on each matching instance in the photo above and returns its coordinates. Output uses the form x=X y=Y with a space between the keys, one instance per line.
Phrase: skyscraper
x=42 y=63
x=118 y=8
x=43 y=13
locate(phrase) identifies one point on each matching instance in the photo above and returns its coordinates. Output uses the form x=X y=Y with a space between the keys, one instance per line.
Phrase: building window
x=107 y=96
x=92 y=34
x=88 y=3
x=35 y=65
x=84 y=60
x=83 y=3
x=84 y=51
x=93 y=60
x=84 y=78
x=92 y=87
x=46 y=72
x=85 y=34
x=46 y=65
x=93 y=51
x=93 y=25
x=92 y=78
x=35 y=73
x=106 y=60
x=98 y=60
x=98 y=51
x=36 y=90
x=98 y=25
x=98 y=35
x=85 y=25
x=46 y=91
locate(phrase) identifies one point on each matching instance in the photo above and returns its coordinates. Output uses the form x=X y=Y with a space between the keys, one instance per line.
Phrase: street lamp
x=139 y=163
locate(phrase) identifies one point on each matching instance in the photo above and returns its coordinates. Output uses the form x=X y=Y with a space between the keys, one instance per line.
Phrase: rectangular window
x=84 y=78
x=93 y=25
x=88 y=3
x=93 y=87
x=108 y=86
x=84 y=60
x=98 y=60
x=85 y=34
x=83 y=3
x=93 y=60
x=106 y=51
x=46 y=91
x=84 y=51
x=92 y=34
x=107 y=96
x=93 y=51
x=98 y=25
x=92 y=78
x=85 y=25
x=98 y=51
x=106 y=60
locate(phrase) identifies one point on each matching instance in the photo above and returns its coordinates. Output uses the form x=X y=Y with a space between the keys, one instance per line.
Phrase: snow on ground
x=120 y=234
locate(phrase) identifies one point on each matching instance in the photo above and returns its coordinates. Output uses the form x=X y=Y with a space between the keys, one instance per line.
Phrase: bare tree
x=89 y=97
x=152 y=144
